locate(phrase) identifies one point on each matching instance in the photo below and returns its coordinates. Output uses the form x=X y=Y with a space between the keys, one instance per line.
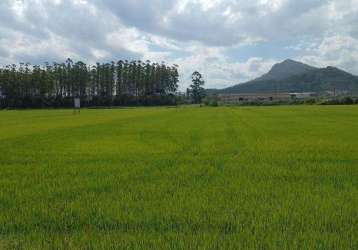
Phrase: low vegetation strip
x=180 y=178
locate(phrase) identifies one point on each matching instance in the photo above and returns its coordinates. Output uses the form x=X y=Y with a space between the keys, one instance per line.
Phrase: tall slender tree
x=197 y=92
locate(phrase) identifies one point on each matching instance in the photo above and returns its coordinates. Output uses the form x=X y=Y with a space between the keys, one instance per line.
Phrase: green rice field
x=180 y=178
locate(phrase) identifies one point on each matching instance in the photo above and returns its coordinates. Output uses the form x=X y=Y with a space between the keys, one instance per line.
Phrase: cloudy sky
x=229 y=41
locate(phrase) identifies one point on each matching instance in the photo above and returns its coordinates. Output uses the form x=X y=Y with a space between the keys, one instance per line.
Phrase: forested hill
x=292 y=76
x=114 y=83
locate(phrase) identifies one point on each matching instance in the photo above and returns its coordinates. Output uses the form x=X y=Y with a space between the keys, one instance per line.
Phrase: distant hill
x=292 y=76
x=286 y=69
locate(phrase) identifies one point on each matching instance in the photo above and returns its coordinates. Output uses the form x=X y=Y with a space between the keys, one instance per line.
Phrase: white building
x=254 y=97
x=264 y=97
x=304 y=95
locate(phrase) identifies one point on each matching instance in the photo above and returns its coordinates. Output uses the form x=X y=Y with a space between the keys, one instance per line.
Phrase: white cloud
x=217 y=69
x=195 y=34
x=339 y=51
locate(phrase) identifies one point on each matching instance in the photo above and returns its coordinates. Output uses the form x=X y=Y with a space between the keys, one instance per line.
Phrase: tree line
x=103 y=84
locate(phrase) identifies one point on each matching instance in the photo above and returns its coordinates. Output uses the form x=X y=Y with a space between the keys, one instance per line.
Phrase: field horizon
x=281 y=177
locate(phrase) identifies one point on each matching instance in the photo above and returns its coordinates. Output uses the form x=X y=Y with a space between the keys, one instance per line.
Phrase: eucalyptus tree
x=119 y=75
x=122 y=83
x=197 y=92
x=125 y=74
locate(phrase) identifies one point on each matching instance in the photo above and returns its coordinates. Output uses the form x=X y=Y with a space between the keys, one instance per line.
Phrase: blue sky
x=229 y=41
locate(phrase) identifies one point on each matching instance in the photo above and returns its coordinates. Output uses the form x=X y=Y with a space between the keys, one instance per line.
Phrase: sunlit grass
x=180 y=178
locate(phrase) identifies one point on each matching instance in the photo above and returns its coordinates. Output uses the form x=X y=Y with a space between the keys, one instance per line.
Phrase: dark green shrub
x=212 y=101
x=347 y=101
x=310 y=101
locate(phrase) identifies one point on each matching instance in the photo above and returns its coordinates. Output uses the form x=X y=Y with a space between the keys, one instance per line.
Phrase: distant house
x=254 y=97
